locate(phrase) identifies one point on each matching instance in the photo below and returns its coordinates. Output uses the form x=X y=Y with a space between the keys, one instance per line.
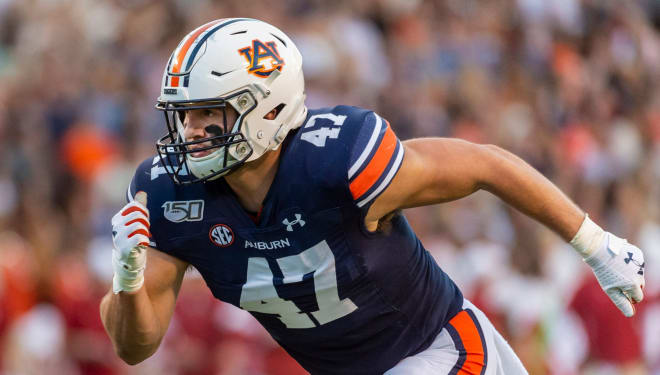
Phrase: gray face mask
x=176 y=153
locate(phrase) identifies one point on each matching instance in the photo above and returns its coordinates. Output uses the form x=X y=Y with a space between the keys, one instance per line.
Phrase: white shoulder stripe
x=128 y=193
x=388 y=178
x=367 y=150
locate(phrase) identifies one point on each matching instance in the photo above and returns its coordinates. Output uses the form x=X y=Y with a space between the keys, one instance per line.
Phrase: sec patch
x=221 y=235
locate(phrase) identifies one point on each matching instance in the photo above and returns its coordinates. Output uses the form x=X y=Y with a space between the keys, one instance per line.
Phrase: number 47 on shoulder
x=317 y=137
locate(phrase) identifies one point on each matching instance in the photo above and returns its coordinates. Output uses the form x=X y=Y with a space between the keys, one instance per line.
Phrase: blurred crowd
x=571 y=86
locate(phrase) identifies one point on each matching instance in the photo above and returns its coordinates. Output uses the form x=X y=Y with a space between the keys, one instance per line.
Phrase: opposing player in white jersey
x=295 y=216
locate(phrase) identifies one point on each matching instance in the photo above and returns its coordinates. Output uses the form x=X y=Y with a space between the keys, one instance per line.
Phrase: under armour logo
x=641 y=266
x=290 y=224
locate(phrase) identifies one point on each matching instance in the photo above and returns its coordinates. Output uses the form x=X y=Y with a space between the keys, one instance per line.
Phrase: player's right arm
x=138 y=309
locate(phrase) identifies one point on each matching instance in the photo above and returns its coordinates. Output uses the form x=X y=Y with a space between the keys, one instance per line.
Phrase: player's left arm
x=436 y=170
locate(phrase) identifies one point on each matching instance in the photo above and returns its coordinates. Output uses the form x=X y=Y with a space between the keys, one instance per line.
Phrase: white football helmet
x=243 y=62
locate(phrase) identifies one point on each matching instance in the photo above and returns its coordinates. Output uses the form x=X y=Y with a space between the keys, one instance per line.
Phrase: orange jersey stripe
x=475 y=359
x=178 y=61
x=368 y=177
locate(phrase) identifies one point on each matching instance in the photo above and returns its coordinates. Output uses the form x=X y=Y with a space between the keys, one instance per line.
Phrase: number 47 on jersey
x=318 y=136
x=260 y=295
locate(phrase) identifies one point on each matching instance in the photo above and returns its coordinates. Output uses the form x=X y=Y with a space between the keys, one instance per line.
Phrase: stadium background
x=572 y=86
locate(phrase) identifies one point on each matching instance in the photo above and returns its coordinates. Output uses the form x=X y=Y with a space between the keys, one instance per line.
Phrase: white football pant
x=469 y=344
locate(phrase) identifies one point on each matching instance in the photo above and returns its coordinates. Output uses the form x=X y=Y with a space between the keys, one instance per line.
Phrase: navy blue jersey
x=338 y=298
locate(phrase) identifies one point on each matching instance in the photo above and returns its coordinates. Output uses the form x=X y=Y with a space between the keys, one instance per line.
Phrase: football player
x=294 y=215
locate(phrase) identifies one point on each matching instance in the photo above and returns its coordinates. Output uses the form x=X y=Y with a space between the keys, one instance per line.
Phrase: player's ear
x=274 y=112
x=271 y=115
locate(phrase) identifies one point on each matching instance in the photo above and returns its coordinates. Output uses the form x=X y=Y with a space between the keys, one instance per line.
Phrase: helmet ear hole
x=272 y=115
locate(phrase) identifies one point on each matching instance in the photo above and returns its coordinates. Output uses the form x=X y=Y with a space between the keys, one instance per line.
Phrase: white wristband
x=120 y=284
x=124 y=279
x=588 y=238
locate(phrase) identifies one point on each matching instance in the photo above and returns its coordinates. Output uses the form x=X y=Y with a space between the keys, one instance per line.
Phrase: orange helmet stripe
x=178 y=61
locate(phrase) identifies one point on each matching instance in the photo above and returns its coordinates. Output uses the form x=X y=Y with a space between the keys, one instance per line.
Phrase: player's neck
x=252 y=181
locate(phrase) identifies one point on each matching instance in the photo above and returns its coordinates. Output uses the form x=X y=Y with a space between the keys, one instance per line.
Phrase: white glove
x=130 y=236
x=618 y=265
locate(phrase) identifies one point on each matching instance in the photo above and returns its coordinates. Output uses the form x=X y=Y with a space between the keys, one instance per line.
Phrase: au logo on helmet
x=262 y=57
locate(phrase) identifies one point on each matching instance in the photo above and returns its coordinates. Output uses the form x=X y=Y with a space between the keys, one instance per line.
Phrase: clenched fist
x=130 y=236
